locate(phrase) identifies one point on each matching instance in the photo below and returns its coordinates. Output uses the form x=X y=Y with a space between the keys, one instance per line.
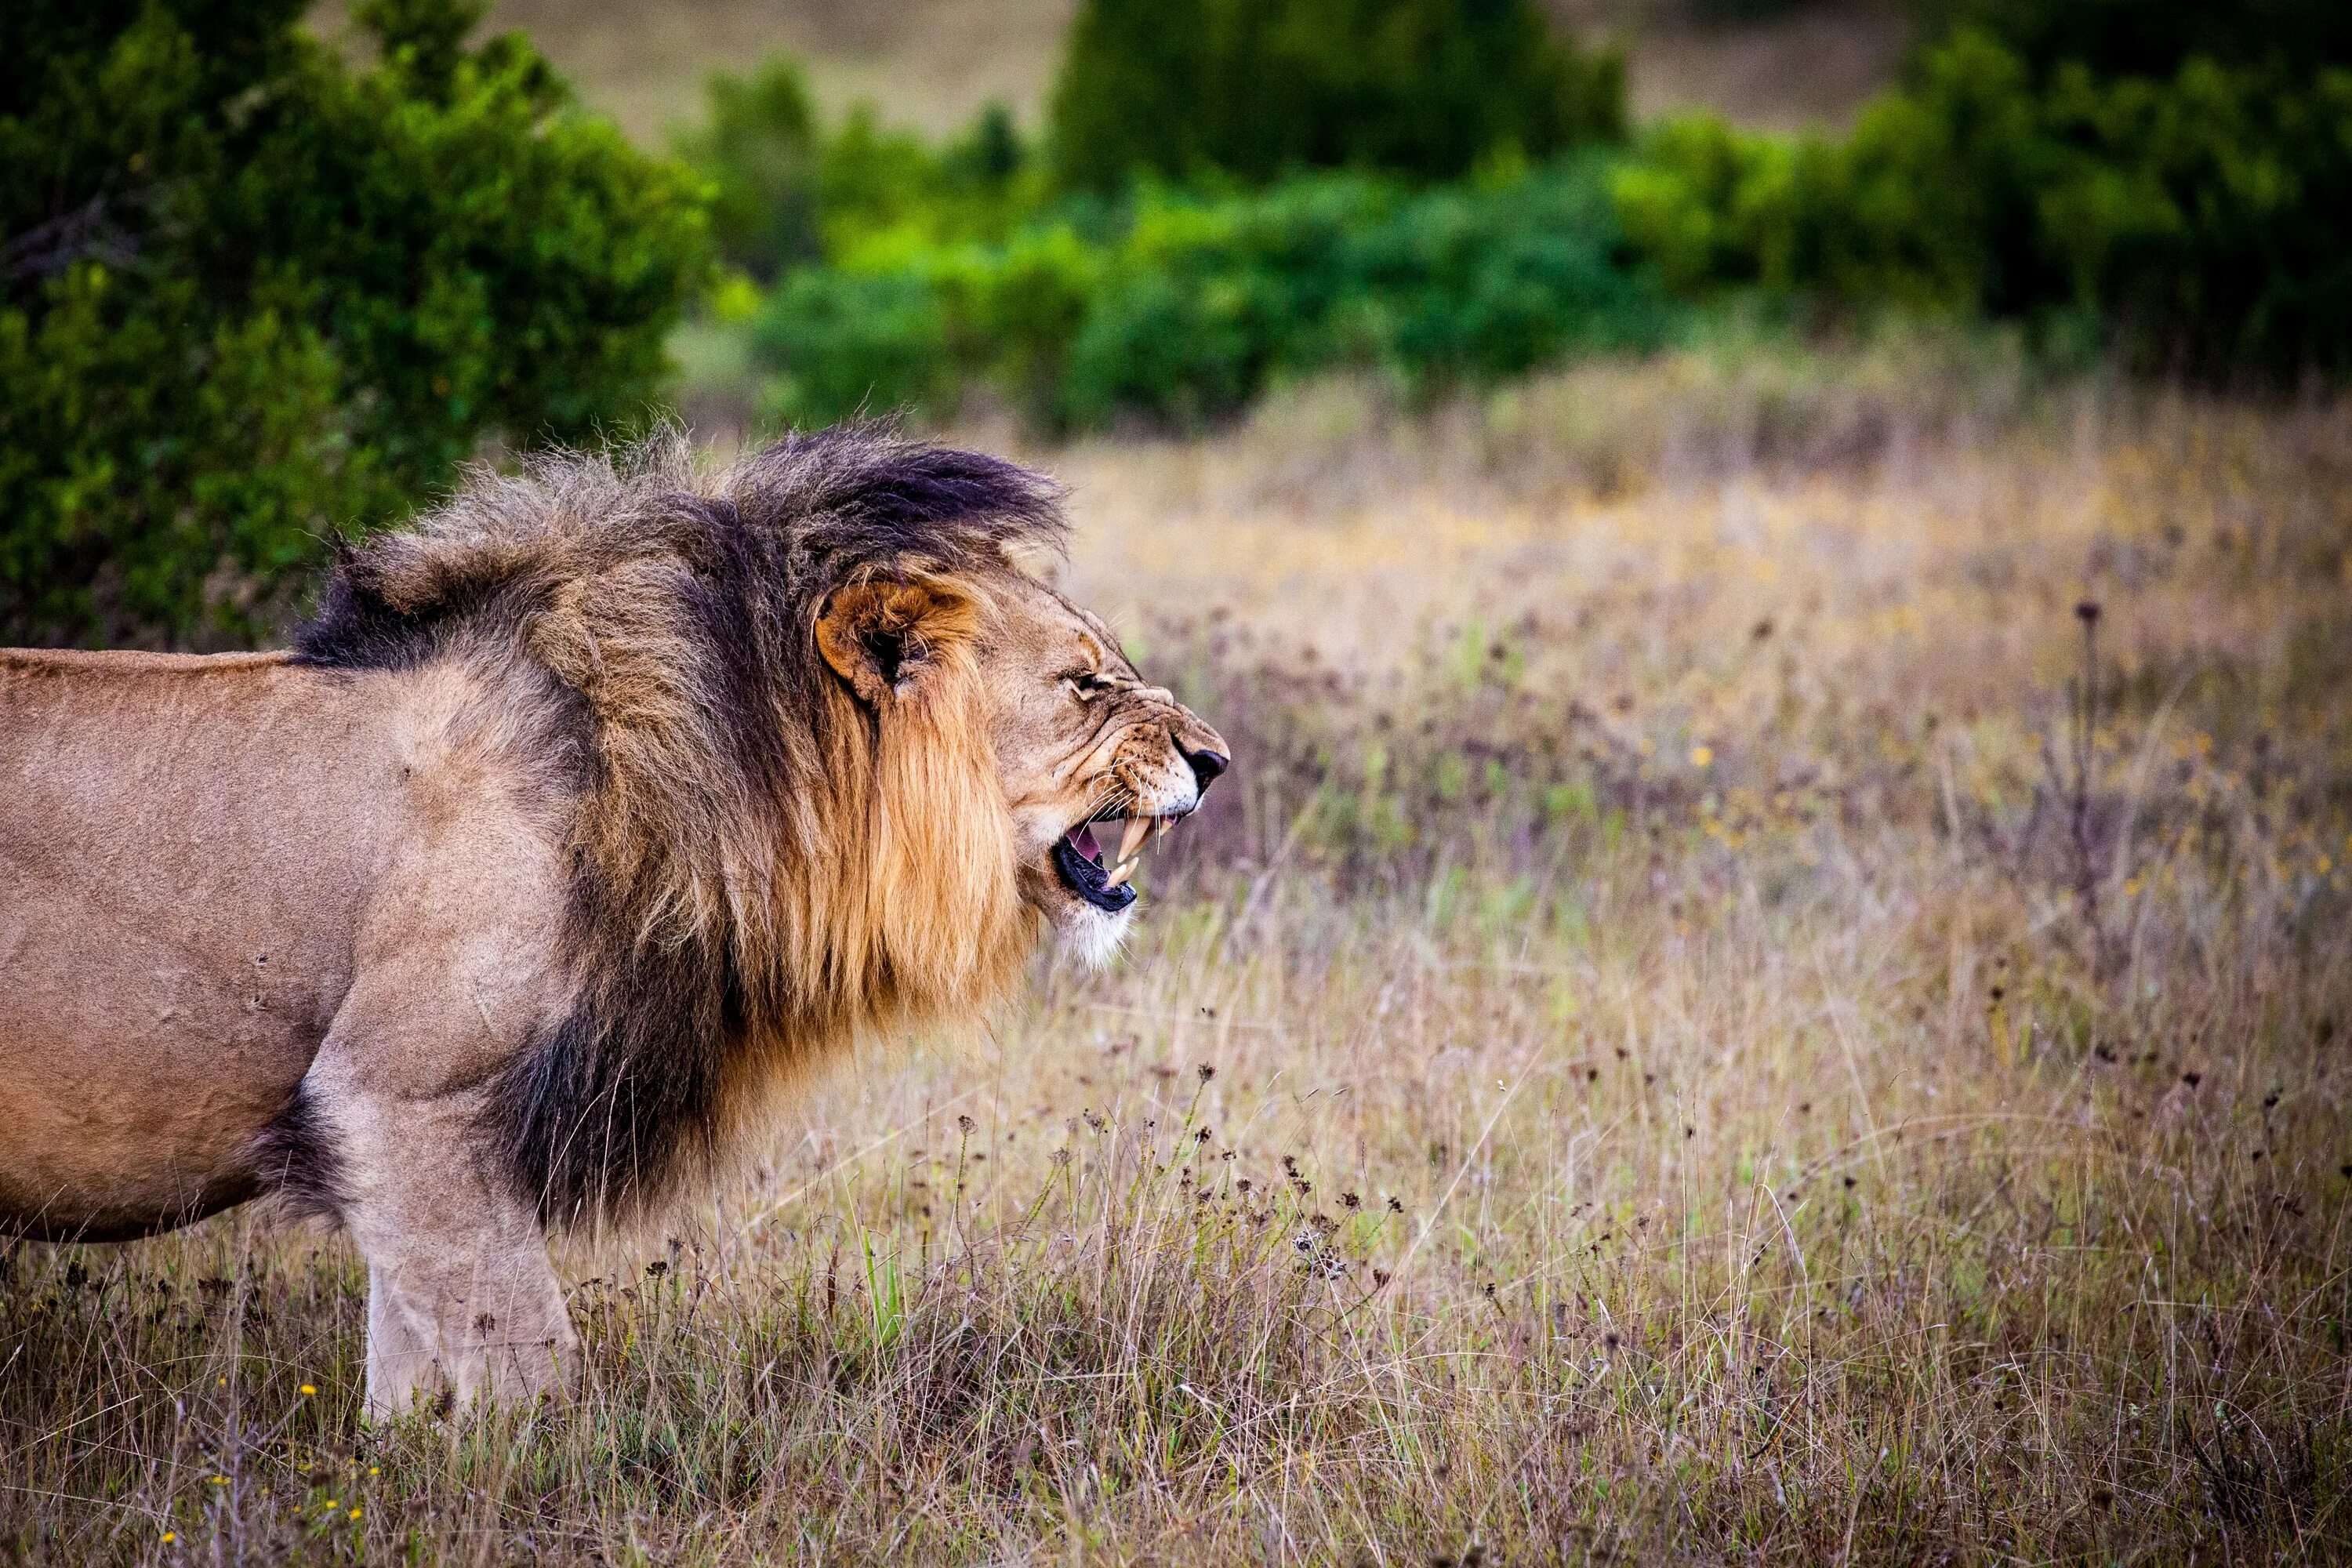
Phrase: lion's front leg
x=457 y=1310
x=462 y=1300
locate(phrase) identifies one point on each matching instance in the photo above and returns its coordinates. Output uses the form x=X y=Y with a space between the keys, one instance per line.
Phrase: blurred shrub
x=1255 y=88
x=2205 y=216
x=846 y=342
x=250 y=298
x=1206 y=301
x=2197 y=213
x=1191 y=307
x=760 y=152
x=786 y=192
x=2151 y=37
x=893 y=184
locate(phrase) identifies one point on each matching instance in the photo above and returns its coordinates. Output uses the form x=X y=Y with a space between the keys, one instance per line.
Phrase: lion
x=585 y=813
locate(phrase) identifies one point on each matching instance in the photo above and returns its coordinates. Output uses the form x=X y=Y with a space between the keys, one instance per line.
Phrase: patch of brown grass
x=1670 y=1095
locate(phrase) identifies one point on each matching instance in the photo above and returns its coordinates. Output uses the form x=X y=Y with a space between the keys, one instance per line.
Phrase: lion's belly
x=178 y=892
x=135 y=1073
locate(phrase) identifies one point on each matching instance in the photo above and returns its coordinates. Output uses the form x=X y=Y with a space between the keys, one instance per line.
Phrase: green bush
x=2205 y=216
x=760 y=152
x=1205 y=302
x=784 y=191
x=1193 y=304
x=2151 y=37
x=845 y=344
x=251 y=299
x=1256 y=88
x=2198 y=219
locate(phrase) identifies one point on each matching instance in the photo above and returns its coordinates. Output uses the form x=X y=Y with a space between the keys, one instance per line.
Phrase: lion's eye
x=1085 y=684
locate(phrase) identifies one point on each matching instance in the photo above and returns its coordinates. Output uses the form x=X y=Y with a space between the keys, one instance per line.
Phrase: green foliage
x=2152 y=37
x=2205 y=214
x=761 y=153
x=786 y=192
x=254 y=299
x=1206 y=301
x=2196 y=218
x=892 y=184
x=1254 y=88
x=843 y=343
x=1194 y=303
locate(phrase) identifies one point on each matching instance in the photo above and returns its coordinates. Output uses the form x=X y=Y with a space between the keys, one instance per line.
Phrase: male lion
x=585 y=811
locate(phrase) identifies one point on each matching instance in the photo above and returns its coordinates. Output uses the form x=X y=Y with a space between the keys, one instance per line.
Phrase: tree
x=253 y=298
x=1253 y=88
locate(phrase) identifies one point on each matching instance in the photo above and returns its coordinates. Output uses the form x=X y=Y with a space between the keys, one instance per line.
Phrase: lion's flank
x=763 y=861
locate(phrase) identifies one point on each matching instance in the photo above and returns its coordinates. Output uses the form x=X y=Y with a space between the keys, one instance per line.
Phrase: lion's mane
x=762 y=866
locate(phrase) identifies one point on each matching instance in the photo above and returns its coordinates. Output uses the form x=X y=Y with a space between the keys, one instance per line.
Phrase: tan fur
x=267 y=922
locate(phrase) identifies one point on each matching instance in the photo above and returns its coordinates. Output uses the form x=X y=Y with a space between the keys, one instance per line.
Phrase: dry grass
x=930 y=64
x=1658 y=1055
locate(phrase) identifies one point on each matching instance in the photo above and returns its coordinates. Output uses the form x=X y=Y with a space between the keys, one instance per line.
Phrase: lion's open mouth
x=1080 y=860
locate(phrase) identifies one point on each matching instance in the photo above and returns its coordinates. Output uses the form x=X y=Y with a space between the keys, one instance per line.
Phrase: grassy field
x=1718 y=1018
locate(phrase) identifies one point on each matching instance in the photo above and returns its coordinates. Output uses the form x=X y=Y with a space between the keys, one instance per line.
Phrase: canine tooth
x=1119 y=874
x=1138 y=828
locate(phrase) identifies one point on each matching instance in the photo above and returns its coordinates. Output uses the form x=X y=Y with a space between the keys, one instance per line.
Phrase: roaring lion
x=584 y=812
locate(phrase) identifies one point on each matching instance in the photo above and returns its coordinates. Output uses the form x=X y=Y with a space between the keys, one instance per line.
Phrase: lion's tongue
x=1082 y=839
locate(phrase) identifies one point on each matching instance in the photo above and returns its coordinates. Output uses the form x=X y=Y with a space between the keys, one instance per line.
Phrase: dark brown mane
x=720 y=911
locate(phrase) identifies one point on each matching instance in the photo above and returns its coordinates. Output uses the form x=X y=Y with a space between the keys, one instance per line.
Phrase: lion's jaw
x=1095 y=764
x=1092 y=937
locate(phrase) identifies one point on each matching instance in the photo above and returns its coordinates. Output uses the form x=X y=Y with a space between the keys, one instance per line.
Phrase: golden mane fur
x=764 y=860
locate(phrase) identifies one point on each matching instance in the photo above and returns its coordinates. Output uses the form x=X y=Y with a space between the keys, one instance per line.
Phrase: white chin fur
x=1092 y=936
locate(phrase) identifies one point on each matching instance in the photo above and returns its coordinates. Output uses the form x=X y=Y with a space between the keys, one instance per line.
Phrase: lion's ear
x=886 y=638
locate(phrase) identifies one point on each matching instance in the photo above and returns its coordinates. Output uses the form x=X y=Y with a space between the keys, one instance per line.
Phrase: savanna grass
x=1713 y=1022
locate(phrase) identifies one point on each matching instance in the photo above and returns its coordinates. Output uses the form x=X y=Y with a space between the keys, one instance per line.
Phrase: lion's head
x=831 y=754
x=1091 y=763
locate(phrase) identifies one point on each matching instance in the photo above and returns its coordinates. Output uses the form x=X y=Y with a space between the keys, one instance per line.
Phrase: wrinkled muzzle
x=1157 y=772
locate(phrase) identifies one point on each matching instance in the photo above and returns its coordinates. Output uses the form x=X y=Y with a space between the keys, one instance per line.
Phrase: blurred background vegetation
x=269 y=273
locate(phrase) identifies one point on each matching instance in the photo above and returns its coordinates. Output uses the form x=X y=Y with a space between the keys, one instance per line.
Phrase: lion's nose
x=1207 y=764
